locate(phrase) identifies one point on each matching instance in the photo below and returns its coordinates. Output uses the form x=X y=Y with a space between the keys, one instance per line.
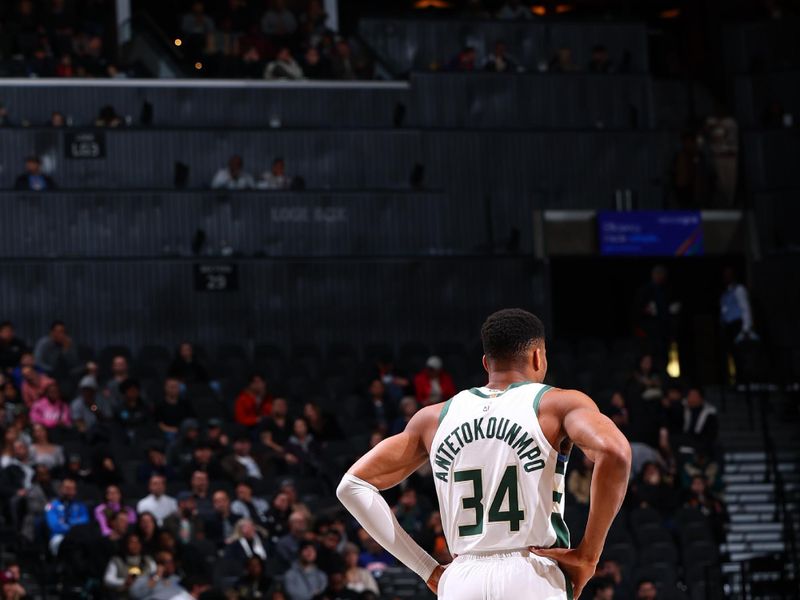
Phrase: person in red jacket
x=433 y=384
x=254 y=403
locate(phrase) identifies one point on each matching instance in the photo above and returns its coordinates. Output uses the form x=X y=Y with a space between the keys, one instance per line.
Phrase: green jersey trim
x=538 y=399
x=478 y=392
x=445 y=408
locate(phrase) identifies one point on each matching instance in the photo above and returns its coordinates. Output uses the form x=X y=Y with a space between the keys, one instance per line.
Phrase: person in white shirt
x=233 y=177
x=158 y=503
x=284 y=66
x=276 y=178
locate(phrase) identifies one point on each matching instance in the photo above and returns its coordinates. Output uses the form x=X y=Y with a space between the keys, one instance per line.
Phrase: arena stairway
x=756 y=538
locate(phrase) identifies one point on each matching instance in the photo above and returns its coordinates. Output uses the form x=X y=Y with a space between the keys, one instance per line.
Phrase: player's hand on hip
x=576 y=565
x=433 y=580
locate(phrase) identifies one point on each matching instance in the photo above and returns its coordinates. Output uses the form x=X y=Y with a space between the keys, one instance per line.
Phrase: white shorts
x=517 y=575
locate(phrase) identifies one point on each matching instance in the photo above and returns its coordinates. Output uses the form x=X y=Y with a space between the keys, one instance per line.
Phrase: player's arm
x=603 y=443
x=386 y=465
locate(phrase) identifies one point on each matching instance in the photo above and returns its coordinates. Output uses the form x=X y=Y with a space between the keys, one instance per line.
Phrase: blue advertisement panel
x=650 y=233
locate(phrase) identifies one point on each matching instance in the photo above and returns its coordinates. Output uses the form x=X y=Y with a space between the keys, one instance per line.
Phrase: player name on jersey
x=493 y=428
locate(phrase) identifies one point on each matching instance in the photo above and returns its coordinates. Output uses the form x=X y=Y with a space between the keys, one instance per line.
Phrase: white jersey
x=500 y=484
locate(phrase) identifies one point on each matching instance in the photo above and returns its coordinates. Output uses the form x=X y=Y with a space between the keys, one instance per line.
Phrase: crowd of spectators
x=177 y=484
x=234 y=177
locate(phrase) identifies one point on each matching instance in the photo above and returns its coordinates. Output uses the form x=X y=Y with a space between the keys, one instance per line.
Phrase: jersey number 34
x=514 y=515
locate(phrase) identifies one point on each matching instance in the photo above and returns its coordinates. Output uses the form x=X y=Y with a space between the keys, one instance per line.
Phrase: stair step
x=750 y=488
x=739 y=538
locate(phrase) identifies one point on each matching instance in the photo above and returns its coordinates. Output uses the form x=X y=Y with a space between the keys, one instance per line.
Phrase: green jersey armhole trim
x=443 y=414
x=538 y=399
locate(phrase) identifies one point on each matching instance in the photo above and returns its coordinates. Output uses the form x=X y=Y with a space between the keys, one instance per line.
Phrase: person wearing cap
x=433 y=384
x=305 y=580
x=87 y=409
x=64 y=513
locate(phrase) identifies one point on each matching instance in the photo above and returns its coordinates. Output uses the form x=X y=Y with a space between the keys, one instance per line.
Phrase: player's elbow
x=618 y=452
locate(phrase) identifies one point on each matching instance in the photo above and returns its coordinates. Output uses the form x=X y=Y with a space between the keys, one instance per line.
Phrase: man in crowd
x=56 y=353
x=305 y=580
x=64 y=513
x=33 y=180
x=233 y=177
x=157 y=502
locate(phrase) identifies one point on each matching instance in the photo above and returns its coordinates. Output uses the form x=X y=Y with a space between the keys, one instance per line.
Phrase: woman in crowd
x=50 y=410
x=148 y=532
x=43 y=451
x=112 y=504
x=125 y=568
x=359 y=579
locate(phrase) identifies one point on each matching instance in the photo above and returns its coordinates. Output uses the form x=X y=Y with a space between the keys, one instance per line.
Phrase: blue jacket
x=61 y=517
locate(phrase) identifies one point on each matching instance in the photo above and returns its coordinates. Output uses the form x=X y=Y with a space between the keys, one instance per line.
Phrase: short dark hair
x=508 y=333
x=57 y=323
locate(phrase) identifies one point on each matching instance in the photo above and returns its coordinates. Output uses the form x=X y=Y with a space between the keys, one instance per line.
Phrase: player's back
x=500 y=484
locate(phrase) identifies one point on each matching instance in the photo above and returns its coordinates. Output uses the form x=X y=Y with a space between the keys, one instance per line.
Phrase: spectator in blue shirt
x=33 y=179
x=64 y=513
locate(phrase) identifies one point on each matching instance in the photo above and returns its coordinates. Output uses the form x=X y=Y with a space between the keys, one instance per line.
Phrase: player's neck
x=501 y=379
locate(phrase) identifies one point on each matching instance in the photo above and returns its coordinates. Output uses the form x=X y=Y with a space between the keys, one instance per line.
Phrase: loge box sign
x=222 y=277
x=85 y=144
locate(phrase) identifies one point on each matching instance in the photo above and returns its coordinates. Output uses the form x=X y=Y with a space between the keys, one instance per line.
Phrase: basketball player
x=498 y=455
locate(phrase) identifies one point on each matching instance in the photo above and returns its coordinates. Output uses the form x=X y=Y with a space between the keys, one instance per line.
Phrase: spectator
x=600 y=62
x=579 y=482
x=119 y=373
x=278 y=21
x=11 y=347
x=162 y=585
x=186 y=524
x=172 y=410
x=655 y=312
x=514 y=10
x=111 y=505
x=148 y=531
x=19 y=461
x=618 y=412
x=342 y=64
x=329 y=560
x=701 y=465
x=87 y=409
x=242 y=464
x=65 y=68
x=108 y=117
x=562 y=62
x=50 y=410
x=603 y=589
x=57 y=120
x=5 y=117
x=736 y=317
x=39 y=495
x=245 y=543
x=254 y=403
x=500 y=61
x=610 y=570
x=337 y=588
x=646 y=382
x=373 y=557
x=315 y=66
x=465 y=61
x=276 y=178
x=155 y=464
x=646 y=590
x=124 y=568
x=200 y=489
x=42 y=451
x=255 y=583
x=433 y=384
x=700 y=424
x=396 y=385
x=304 y=580
x=304 y=447
x=693 y=175
x=204 y=461
x=284 y=66
x=64 y=513
x=321 y=425
x=233 y=177
x=409 y=513
x=56 y=353
x=288 y=545
x=278 y=516
x=220 y=524
x=314 y=23
x=433 y=539
x=653 y=491
x=157 y=503
x=132 y=412
x=701 y=498
x=185 y=367
x=12 y=589
x=197 y=22
x=248 y=506
x=359 y=579
x=721 y=133
x=408 y=408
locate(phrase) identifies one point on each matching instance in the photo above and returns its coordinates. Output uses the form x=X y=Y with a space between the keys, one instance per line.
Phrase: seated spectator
x=181 y=452
x=701 y=465
x=278 y=20
x=111 y=505
x=11 y=586
x=56 y=353
x=41 y=492
x=199 y=486
x=579 y=482
x=255 y=583
x=600 y=61
x=242 y=464
x=610 y=570
x=104 y=468
x=34 y=384
x=215 y=437
x=185 y=367
x=254 y=403
x=284 y=66
x=646 y=383
x=276 y=428
x=700 y=423
x=617 y=411
x=465 y=61
x=408 y=408
x=329 y=560
x=119 y=373
x=86 y=410
x=562 y=62
x=157 y=503
x=120 y=525
x=409 y=513
x=155 y=463
x=276 y=178
x=316 y=66
x=50 y=410
x=41 y=64
x=11 y=347
x=197 y=22
x=337 y=588
x=124 y=568
x=378 y=410
x=42 y=451
x=433 y=384
x=304 y=580
x=132 y=412
x=220 y=524
x=343 y=65
x=248 y=506
x=204 y=461
x=18 y=468
x=321 y=425
x=359 y=580
x=187 y=524
x=108 y=117
x=433 y=540
x=148 y=531
x=277 y=520
x=500 y=61
x=288 y=546
x=304 y=447
x=373 y=557
x=64 y=513
x=514 y=10
x=172 y=410
x=646 y=590
x=701 y=498
x=651 y=490
x=57 y=120
x=245 y=543
x=161 y=585
x=233 y=177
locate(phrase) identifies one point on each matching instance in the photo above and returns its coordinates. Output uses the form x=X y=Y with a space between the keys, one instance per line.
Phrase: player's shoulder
x=560 y=401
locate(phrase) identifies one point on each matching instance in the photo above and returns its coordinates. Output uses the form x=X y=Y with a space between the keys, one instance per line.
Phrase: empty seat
x=663 y=574
x=226 y=351
x=643 y=516
x=650 y=534
x=659 y=553
x=695 y=531
x=700 y=553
